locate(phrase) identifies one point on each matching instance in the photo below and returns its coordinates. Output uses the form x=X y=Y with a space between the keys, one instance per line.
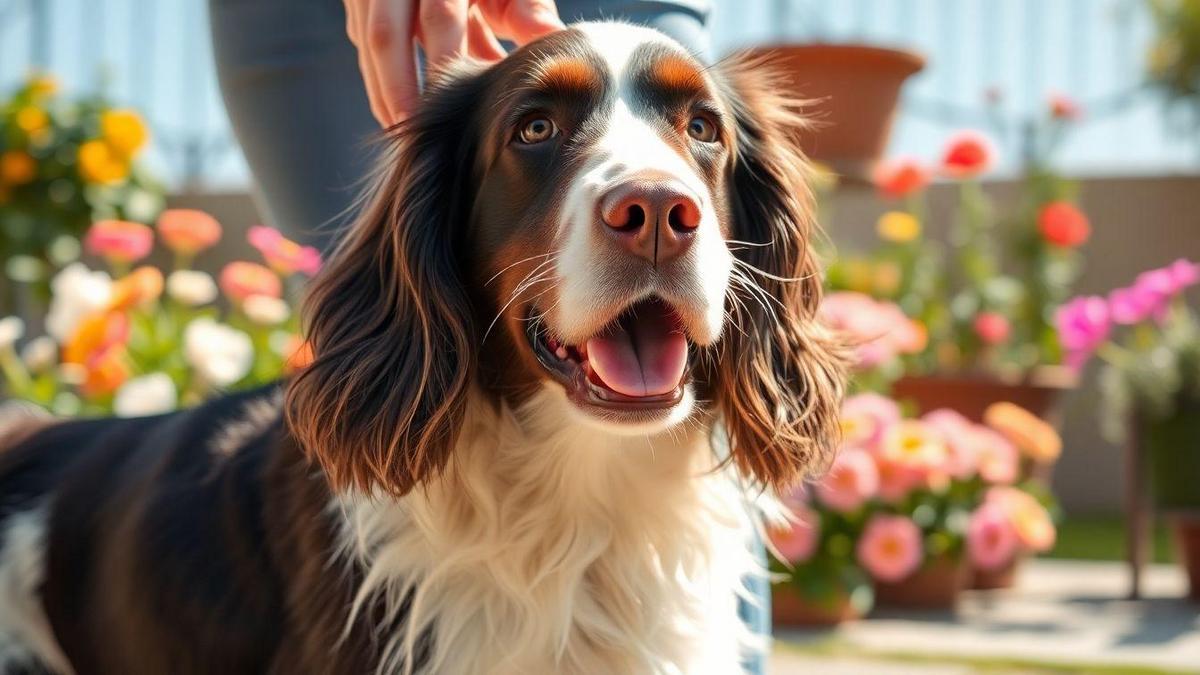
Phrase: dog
x=569 y=339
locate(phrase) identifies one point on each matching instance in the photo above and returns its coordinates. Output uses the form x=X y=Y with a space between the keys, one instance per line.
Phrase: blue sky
x=155 y=55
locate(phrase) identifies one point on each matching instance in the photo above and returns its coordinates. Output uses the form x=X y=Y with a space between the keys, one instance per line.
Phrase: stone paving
x=1062 y=612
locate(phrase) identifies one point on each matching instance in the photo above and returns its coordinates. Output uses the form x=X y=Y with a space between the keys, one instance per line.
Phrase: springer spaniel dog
x=567 y=343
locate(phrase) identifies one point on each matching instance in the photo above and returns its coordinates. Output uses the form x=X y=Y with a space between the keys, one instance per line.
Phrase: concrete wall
x=1137 y=223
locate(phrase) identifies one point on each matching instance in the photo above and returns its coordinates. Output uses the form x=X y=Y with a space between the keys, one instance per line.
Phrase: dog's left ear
x=389 y=318
x=780 y=377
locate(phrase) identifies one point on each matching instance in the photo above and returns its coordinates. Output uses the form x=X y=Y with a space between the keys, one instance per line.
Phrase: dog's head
x=598 y=215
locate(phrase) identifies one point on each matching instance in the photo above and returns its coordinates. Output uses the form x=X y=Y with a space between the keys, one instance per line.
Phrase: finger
x=389 y=36
x=522 y=20
x=481 y=41
x=356 y=20
x=443 y=29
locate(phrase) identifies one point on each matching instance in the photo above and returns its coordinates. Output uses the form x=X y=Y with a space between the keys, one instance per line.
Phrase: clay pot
x=997 y=579
x=853 y=90
x=971 y=394
x=789 y=608
x=1187 y=542
x=937 y=585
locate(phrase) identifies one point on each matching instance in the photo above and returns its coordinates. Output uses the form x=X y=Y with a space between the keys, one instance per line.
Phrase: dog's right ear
x=388 y=319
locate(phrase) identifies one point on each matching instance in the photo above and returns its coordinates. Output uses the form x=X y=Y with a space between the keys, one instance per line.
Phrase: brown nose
x=652 y=219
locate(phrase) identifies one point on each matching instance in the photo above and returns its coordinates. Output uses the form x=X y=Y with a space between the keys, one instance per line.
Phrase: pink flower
x=851 y=481
x=1184 y=274
x=284 y=255
x=897 y=481
x=890 y=548
x=991 y=539
x=797 y=543
x=997 y=460
x=865 y=417
x=1083 y=325
x=1032 y=523
x=1153 y=290
x=241 y=280
x=914 y=444
x=119 y=241
x=992 y=328
x=1063 y=107
x=958 y=432
x=188 y=231
x=968 y=154
x=1131 y=305
x=879 y=330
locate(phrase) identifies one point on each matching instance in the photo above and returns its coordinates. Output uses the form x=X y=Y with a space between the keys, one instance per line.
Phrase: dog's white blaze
x=551 y=547
x=25 y=634
x=630 y=145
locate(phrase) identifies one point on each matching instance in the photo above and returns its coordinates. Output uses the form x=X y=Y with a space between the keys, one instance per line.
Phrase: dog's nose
x=653 y=219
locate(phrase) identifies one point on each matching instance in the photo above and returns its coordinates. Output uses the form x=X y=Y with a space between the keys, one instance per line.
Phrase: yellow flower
x=17 y=167
x=98 y=163
x=123 y=130
x=898 y=227
x=823 y=177
x=42 y=85
x=32 y=120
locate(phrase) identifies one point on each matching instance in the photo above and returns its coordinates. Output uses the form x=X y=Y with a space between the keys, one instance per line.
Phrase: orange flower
x=240 y=280
x=138 y=288
x=1029 y=518
x=17 y=167
x=1035 y=438
x=98 y=346
x=1063 y=107
x=900 y=178
x=188 y=231
x=120 y=241
x=968 y=154
x=1063 y=224
x=284 y=255
x=298 y=354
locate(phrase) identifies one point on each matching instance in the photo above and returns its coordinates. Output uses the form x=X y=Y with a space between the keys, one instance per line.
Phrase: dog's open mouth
x=637 y=361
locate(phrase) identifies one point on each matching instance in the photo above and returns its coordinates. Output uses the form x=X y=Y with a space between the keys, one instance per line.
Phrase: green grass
x=834 y=647
x=1103 y=538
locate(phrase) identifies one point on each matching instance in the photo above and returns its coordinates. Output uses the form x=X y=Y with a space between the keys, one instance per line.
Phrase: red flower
x=1062 y=224
x=900 y=178
x=992 y=328
x=968 y=154
x=1064 y=108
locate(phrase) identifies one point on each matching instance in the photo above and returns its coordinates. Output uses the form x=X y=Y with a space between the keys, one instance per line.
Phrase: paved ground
x=1061 y=612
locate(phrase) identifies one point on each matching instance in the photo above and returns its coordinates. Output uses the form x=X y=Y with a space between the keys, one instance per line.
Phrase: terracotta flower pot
x=854 y=90
x=1187 y=543
x=971 y=394
x=937 y=585
x=997 y=579
x=790 y=608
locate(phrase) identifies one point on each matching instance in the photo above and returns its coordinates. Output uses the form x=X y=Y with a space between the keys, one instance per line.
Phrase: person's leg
x=290 y=80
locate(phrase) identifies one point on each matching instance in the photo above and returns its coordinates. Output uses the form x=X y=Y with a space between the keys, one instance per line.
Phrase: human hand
x=383 y=31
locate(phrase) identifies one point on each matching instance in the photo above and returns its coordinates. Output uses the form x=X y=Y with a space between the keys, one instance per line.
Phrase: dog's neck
x=550 y=546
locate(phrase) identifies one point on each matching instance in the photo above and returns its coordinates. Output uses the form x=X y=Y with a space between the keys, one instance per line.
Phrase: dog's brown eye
x=702 y=129
x=536 y=130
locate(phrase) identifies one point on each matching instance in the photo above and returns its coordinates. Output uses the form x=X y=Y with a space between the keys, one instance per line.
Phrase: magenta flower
x=1131 y=305
x=1184 y=274
x=1083 y=325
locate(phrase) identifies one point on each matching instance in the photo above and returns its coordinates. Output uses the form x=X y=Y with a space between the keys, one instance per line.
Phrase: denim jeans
x=290 y=80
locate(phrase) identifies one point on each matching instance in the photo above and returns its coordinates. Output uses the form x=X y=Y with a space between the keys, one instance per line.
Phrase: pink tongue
x=644 y=355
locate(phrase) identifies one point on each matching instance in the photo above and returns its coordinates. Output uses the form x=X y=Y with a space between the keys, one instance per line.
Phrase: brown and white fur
x=453 y=486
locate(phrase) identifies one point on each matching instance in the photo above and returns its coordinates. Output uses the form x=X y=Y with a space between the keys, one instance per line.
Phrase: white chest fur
x=550 y=547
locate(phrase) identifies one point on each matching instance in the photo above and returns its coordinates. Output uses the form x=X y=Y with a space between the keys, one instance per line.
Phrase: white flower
x=75 y=292
x=221 y=355
x=40 y=354
x=265 y=310
x=11 y=330
x=191 y=288
x=151 y=394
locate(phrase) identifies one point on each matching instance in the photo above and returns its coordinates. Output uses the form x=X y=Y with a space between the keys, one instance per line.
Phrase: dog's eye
x=537 y=129
x=702 y=129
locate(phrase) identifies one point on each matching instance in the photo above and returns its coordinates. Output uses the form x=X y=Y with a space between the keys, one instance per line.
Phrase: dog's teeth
x=561 y=353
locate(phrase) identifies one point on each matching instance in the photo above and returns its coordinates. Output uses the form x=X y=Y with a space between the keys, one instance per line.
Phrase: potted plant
x=64 y=163
x=1149 y=341
x=909 y=506
x=130 y=340
x=853 y=90
x=1174 y=58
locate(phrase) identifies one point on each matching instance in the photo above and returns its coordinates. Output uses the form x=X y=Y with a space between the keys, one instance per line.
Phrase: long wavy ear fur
x=781 y=377
x=389 y=319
